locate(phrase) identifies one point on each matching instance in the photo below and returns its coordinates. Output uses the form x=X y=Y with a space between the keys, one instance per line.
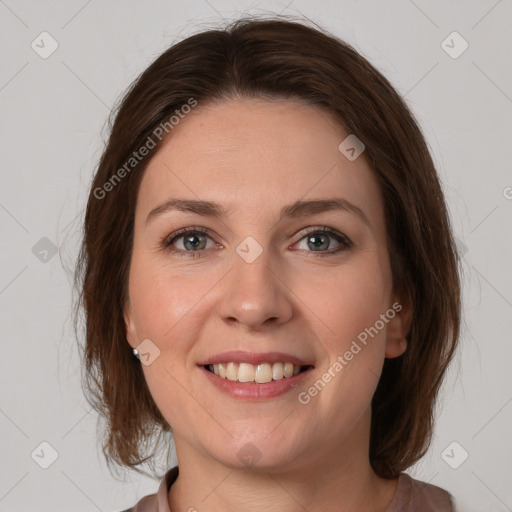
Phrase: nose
x=255 y=294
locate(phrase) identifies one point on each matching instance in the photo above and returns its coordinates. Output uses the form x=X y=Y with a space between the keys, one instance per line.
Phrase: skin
x=256 y=156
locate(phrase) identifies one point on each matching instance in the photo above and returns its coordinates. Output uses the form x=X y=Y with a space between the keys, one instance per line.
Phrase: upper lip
x=255 y=358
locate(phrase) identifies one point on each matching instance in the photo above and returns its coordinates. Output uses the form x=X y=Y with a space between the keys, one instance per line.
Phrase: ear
x=129 y=323
x=398 y=328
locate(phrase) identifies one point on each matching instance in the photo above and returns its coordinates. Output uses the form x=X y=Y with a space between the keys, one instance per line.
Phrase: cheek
x=167 y=308
x=164 y=300
x=349 y=301
x=351 y=308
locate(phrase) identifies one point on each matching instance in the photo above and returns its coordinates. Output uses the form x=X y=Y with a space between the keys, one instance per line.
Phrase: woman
x=269 y=275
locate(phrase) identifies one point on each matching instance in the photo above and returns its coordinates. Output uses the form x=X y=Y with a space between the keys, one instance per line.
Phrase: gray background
x=53 y=114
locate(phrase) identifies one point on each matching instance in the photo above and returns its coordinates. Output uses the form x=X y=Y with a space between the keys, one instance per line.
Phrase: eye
x=188 y=240
x=319 y=240
x=192 y=241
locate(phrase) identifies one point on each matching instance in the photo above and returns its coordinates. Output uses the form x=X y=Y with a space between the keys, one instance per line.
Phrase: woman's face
x=277 y=278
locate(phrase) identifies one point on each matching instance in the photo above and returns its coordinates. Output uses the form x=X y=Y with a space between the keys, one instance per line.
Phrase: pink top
x=411 y=496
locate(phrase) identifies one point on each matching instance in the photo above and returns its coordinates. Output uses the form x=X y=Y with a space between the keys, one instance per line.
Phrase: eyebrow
x=294 y=210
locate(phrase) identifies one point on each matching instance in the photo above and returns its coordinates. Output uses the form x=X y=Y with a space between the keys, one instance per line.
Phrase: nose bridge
x=253 y=292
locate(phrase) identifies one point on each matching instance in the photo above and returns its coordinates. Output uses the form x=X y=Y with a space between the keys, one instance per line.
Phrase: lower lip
x=254 y=391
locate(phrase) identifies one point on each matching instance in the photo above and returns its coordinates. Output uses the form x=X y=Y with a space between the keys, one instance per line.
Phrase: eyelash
x=169 y=240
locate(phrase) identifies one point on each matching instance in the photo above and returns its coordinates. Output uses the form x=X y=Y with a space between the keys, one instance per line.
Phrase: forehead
x=257 y=155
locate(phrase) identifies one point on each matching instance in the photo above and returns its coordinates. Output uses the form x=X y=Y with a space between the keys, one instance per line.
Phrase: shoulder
x=157 y=502
x=146 y=504
x=416 y=496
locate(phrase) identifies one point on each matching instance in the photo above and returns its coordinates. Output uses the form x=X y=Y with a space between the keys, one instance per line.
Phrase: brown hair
x=274 y=59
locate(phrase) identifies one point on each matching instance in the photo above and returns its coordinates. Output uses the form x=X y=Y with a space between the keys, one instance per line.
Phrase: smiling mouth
x=261 y=373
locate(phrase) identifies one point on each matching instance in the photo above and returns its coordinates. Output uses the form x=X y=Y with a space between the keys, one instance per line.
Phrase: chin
x=258 y=455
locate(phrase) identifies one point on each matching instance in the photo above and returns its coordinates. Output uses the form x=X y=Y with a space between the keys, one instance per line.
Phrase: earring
x=136 y=353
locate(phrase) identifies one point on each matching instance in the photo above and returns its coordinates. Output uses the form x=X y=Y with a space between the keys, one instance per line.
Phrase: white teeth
x=288 y=369
x=262 y=373
x=246 y=372
x=232 y=371
x=277 y=371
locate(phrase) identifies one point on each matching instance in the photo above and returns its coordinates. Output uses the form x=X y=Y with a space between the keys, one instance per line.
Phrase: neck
x=324 y=480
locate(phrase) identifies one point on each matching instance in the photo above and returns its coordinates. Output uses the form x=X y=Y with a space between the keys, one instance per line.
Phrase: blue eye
x=318 y=240
x=194 y=241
